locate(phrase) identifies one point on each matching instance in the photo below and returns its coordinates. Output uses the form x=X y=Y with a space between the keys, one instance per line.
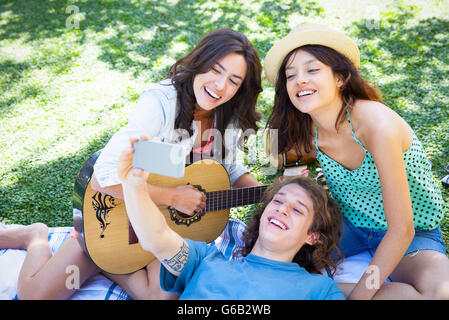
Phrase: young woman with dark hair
x=204 y=59
x=215 y=86
x=210 y=91
x=373 y=163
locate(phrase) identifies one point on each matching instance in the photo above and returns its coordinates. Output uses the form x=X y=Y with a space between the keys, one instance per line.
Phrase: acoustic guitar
x=108 y=237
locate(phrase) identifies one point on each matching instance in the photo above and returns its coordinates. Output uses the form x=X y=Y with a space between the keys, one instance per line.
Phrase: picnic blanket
x=101 y=288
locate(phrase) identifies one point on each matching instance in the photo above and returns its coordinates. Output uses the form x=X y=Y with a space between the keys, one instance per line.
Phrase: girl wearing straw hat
x=373 y=162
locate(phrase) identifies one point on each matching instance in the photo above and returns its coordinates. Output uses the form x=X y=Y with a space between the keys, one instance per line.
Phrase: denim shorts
x=355 y=240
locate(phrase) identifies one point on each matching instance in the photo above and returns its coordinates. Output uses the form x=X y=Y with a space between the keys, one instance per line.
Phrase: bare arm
x=148 y=222
x=186 y=199
x=385 y=143
x=152 y=230
x=160 y=195
x=246 y=180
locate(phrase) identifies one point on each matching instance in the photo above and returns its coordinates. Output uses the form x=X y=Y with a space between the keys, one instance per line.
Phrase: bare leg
x=20 y=237
x=143 y=284
x=388 y=291
x=427 y=271
x=44 y=276
x=421 y=276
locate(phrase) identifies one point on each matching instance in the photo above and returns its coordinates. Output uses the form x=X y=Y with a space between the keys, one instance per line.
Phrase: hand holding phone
x=135 y=163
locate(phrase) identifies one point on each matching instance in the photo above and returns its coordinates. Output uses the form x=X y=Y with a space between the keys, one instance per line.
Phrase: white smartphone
x=158 y=157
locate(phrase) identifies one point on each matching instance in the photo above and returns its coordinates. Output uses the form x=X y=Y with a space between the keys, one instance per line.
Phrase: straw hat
x=309 y=34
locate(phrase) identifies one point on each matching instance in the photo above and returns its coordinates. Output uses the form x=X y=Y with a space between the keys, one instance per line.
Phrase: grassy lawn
x=64 y=91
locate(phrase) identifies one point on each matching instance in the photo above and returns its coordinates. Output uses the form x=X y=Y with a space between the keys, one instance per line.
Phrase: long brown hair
x=294 y=126
x=213 y=46
x=326 y=222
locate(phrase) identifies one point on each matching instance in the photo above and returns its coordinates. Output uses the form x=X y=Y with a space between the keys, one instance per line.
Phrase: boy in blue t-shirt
x=288 y=241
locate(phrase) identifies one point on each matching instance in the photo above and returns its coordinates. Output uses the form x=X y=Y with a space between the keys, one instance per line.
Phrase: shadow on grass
x=12 y=73
x=123 y=22
x=184 y=22
x=44 y=193
x=141 y=37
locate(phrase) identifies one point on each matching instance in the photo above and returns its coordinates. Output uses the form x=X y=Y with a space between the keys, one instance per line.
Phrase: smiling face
x=285 y=223
x=311 y=84
x=220 y=83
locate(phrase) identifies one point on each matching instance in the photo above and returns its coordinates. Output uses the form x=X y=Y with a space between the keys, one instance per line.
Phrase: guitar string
x=218 y=200
x=223 y=194
x=220 y=195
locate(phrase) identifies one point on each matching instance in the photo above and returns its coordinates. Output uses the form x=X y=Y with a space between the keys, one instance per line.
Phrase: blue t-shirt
x=208 y=275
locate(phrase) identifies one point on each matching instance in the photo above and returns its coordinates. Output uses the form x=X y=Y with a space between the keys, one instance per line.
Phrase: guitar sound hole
x=182 y=218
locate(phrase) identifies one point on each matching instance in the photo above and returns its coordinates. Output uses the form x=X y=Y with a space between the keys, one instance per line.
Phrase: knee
x=36 y=233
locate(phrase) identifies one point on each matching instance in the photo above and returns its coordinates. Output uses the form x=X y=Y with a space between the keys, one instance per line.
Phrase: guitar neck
x=226 y=199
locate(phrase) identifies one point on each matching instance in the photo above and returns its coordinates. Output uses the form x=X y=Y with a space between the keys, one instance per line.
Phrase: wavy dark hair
x=326 y=222
x=213 y=46
x=294 y=127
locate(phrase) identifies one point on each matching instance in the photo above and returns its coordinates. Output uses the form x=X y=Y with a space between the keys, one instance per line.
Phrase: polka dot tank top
x=359 y=195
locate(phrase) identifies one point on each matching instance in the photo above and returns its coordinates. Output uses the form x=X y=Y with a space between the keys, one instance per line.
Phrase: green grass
x=64 y=92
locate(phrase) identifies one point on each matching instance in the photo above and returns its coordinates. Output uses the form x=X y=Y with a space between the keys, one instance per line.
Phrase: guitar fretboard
x=226 y=199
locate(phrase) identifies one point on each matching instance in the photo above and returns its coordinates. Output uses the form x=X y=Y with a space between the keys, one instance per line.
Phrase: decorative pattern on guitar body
x=103 y=204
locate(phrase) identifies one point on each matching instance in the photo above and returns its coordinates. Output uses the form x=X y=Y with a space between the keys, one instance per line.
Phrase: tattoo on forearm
x=179 y=260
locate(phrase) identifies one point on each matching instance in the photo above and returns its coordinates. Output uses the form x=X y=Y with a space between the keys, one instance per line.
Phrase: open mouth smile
x=277 y=223
x=305 y=93
x=211 y=94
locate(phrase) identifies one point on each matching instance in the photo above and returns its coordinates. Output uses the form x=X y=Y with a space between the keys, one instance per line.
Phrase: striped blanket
x=101 y=288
